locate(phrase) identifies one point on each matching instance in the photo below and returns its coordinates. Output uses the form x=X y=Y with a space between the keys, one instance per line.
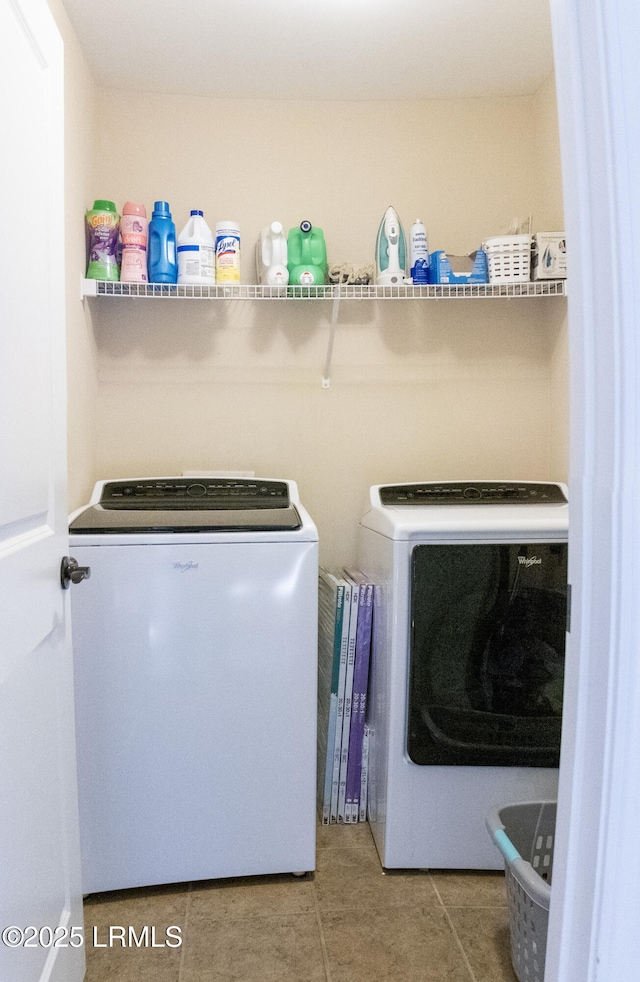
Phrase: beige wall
x=465 y=167
x=549 y=216
x=548 y=213
x=419 y=390
x=82 y=374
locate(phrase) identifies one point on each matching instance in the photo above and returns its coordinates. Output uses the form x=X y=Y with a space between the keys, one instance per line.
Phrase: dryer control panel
x=474 y=493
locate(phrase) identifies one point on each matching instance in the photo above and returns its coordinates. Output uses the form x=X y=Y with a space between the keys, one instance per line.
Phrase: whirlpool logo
x=185 y=567
x=530 y=560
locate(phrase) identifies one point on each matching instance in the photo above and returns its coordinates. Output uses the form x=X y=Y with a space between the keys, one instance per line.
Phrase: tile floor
x=347 y=922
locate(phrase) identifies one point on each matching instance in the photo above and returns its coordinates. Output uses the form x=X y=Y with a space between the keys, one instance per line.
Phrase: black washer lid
x=189 y=505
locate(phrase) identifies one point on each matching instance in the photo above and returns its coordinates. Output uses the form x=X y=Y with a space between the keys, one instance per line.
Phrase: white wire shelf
x=242 y=291
x=334 y=292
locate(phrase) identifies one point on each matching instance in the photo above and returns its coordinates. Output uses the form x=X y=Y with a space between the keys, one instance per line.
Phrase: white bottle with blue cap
x=196 y=252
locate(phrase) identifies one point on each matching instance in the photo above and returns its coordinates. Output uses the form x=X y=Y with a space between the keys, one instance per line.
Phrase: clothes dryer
x=195 y=647
x=467 y=662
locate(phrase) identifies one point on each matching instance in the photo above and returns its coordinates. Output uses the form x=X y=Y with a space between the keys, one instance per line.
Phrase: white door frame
x=594 y=931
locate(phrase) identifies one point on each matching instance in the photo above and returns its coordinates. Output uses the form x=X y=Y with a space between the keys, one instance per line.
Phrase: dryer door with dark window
x=487 y=648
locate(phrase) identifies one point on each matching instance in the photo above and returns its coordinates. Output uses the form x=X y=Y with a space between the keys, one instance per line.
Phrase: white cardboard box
x=549 y=256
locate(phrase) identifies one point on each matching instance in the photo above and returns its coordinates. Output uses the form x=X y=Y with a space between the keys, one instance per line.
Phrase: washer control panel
x=474 y=493
x=195 y=493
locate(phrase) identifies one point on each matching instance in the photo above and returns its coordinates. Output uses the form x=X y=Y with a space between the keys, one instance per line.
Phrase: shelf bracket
x=88 y=288
x=326 y=375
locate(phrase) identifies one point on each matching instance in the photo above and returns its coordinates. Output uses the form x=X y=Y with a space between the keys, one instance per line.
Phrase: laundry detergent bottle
x=307 y=255
x=271 y=256
x=102 y=225
x=133 y=234
x=163 y=264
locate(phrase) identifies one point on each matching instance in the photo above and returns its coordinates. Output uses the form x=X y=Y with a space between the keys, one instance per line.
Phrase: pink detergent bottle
x=133 y=232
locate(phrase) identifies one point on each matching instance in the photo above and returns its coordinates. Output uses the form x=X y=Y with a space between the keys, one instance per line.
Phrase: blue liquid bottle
x=163 y=263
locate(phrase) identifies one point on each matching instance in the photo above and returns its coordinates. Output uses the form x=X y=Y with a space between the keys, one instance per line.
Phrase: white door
x=595 y=907
x=40 y=898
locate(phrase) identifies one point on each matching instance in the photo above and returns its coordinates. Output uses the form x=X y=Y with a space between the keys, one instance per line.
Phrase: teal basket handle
x=506 y=846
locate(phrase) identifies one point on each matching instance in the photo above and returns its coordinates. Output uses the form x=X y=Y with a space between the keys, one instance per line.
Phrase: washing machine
x=195 y=648
x=467 y=667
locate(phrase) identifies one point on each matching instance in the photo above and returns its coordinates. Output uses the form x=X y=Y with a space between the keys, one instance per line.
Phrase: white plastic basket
x=509 y=258
x=524 y=834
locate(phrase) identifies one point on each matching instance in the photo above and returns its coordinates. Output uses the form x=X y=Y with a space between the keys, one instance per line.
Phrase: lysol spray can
x=227 y=252
x=418 y=253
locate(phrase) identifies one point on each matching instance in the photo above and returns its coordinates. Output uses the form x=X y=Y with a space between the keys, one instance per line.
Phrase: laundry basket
x=524 y=834
x=509 y=258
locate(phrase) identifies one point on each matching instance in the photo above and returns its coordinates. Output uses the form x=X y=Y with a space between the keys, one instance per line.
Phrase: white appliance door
x=196 y=710
x=40 y=898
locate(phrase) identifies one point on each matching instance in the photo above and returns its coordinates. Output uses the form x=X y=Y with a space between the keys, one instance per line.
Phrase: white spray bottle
x=271 y=256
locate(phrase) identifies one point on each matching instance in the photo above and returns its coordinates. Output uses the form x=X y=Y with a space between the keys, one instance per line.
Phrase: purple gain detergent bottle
x=102 y=223
x=163 y=263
